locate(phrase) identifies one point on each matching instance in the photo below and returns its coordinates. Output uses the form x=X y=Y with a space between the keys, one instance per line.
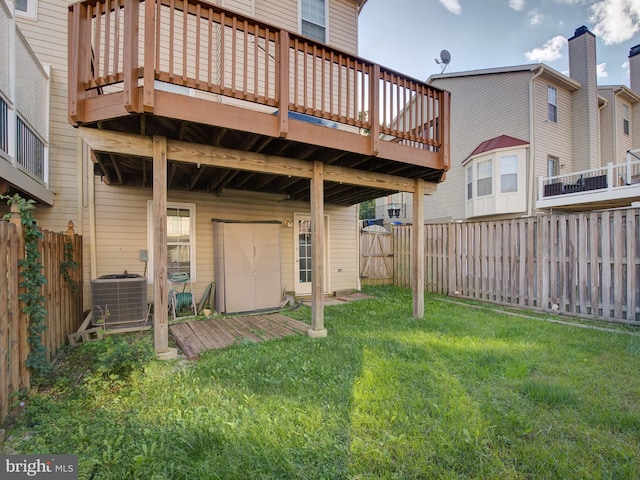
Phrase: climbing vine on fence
x=31 y=281
x=67 y=264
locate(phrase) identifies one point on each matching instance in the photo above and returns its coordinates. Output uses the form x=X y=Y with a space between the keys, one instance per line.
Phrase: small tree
x=368 y=210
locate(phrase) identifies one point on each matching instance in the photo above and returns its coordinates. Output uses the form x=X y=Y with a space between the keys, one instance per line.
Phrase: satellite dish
x=445 y=58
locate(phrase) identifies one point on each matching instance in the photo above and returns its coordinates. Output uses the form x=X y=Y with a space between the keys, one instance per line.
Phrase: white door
x=302 y=249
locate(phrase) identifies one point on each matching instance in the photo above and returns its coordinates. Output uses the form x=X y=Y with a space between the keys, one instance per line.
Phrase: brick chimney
x=582 y=68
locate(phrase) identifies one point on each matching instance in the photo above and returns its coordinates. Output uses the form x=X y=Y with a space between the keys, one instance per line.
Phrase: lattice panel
x=31 y=88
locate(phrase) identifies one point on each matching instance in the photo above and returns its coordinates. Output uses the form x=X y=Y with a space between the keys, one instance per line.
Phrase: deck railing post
x=445 y=114
x=283 y=83
x=79 y=58
x=131 y=27
x=610 y=179
x=541 y=194
x=149 y=55
x=374 y=108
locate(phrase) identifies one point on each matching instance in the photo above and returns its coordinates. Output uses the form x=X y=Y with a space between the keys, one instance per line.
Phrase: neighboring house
x=24 y=120
x=527 y=139
x=230 y=165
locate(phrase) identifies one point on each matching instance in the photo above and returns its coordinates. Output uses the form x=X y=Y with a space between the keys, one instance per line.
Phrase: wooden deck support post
x=160 y=276
x=417 y=250
x=317 y=329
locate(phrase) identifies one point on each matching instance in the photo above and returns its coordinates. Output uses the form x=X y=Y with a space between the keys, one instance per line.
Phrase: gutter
x=532 y=142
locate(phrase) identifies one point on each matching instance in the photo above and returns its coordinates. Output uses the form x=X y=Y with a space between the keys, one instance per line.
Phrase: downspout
x=615 y=137
x=532 y=142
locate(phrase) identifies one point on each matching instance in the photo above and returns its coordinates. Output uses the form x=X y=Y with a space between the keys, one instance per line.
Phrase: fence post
x=23 y=322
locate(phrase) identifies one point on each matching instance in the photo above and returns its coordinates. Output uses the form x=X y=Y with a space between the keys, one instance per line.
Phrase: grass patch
x=461 y=394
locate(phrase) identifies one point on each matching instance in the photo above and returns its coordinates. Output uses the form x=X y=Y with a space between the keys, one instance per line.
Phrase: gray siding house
x=567 y=147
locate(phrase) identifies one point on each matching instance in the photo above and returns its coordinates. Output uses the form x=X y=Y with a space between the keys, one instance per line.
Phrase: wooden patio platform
x=216 y=333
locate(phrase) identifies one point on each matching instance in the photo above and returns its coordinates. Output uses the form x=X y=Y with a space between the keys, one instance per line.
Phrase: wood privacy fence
x=62 y=303
x=583 y=264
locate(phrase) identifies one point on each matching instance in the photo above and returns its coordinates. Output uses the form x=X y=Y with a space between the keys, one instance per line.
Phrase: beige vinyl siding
x=280 y=13
x=245 y=7
x=121 y=232
x=482 y=107
x=343 y=25
x=607 y=142
x=555 y=139
x=47 y=38
x=624 y=142
x=635 y=125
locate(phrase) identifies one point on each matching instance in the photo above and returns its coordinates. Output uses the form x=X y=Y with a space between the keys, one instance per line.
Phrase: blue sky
x=408 y=35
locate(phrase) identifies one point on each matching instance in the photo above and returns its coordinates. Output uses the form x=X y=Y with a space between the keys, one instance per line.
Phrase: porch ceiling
x=135 y=171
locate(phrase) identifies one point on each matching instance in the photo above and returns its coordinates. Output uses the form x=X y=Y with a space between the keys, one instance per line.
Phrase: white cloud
x=616 y=21
x=601 y=70
x=549 y=52
x=452 y=5
x=517 y=4
x=535 y=18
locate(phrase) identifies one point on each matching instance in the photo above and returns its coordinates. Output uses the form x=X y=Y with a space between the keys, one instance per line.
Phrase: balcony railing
x=615 y=181
x=125 y=46
x=24 y=106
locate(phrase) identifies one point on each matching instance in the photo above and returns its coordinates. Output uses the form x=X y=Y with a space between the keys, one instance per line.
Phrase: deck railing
x=120 y=45
x=24 y=102
x=609 y=178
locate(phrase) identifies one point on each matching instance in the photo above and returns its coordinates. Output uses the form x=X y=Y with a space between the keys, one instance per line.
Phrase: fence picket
x=579 y=264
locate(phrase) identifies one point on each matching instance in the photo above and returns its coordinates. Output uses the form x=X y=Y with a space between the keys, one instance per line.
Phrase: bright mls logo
x=58 y=467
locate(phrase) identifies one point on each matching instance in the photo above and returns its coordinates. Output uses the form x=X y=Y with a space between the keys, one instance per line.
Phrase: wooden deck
x=217 y=333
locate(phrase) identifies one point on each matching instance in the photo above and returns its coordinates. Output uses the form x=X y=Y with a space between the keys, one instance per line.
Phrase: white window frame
x=480 y=178
x=31 y=11
x=626 y=122
x=326 y=20
x=192 y=236
x=553 y=163
x=552 y=102
x=469 y=182
x=504 y=159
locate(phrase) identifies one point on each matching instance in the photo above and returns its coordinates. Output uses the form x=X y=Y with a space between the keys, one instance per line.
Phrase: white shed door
x=252 y=266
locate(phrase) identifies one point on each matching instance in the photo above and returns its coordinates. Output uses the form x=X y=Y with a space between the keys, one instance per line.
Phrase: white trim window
x=553 y=166
x=626 y=125
x=470 y=182
x=509 y=173
x=552 y=96
x=484 y=171
x=313 y=19
x=26 y=8
x=181 y=238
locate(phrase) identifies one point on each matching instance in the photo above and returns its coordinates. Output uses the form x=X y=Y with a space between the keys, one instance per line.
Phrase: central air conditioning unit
x=118 y=300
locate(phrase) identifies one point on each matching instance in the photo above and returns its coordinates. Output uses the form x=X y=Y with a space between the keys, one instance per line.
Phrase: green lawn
x=465 y=393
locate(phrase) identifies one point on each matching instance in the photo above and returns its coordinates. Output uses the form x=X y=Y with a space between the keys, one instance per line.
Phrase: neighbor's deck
x=199 y=336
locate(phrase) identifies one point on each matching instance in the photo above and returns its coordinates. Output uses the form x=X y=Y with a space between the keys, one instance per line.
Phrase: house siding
x=47 y=38
x=121 y=213
x=607 y=127
x=624 y=142
x=474 y=119
x=122 y=231
x=551 y=138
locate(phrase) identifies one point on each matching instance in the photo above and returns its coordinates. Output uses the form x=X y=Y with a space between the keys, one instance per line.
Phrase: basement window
x=181 y=248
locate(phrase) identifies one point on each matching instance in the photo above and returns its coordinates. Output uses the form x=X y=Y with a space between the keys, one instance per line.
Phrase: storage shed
x=246 y=265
